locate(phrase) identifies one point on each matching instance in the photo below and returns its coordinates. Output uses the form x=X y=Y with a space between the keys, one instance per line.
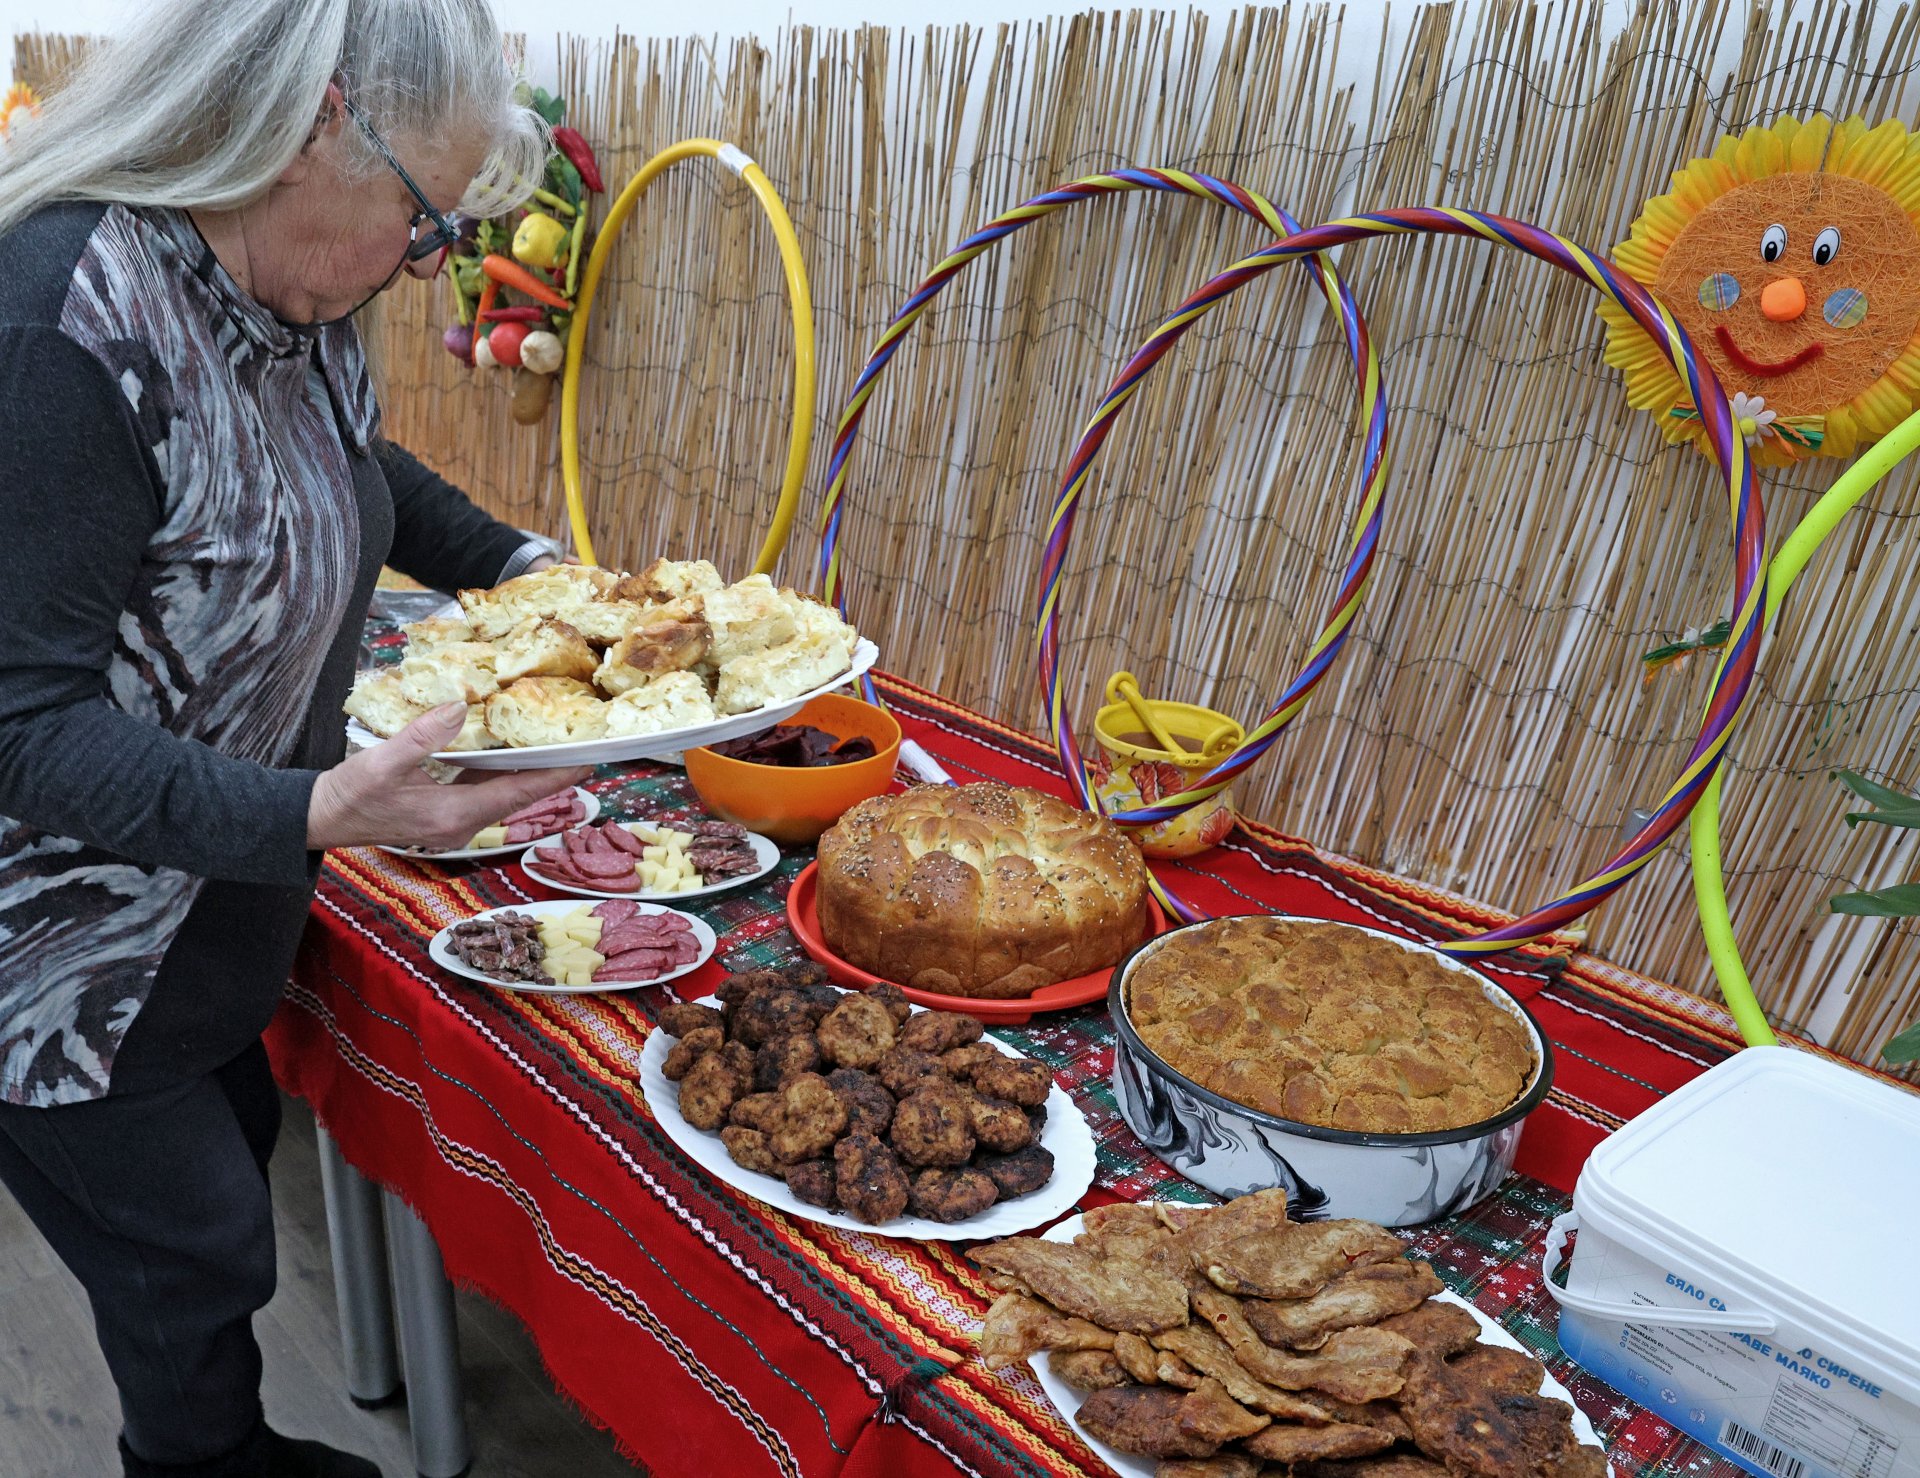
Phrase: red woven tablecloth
x=715 y=1336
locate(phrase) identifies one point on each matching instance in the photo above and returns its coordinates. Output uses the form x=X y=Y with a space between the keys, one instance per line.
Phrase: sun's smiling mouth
x=1749 y=365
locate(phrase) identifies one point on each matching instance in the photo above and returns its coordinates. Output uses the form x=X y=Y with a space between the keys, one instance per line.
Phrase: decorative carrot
x=487 y=295
x=506 y=272
x=515 y=315
x=569 y=142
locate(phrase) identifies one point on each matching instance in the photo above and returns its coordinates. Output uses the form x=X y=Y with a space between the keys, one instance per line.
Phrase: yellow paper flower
x=18 y=96
x=1791 y=256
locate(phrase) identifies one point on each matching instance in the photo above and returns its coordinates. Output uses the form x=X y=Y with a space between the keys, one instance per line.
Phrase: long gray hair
x=201 y=106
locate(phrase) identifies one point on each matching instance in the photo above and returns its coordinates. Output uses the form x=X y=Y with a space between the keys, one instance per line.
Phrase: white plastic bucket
x=1745 y=1266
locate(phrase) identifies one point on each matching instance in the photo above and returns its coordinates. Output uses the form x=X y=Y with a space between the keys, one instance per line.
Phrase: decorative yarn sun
x=18 y=96
x=1791 y=255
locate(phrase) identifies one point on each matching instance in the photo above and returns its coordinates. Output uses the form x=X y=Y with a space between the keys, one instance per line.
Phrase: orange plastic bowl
x=791 y=804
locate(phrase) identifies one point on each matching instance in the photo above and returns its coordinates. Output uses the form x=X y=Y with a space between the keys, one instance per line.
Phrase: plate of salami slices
x=519 y=831
x=660 y=862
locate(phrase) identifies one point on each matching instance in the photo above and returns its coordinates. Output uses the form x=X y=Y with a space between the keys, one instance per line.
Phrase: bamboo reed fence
x=1488 y=730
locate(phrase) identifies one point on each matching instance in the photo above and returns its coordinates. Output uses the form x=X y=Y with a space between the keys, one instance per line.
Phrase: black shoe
x=294 y=1457
x=265 y=1454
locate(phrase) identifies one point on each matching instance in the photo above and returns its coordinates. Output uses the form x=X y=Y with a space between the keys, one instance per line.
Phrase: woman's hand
x=382 y=795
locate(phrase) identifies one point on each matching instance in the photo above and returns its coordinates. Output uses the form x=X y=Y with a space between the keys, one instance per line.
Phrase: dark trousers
x=157 y=1202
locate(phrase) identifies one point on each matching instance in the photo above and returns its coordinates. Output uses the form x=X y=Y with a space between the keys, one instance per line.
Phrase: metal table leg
x=360 y=1283
x=429 y=1345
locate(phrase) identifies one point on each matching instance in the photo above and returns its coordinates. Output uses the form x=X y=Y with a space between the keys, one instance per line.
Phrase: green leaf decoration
x=1902 y=901
x=567 y=178
x=1876 y=795
x=1905 y=1047
x=549 y=107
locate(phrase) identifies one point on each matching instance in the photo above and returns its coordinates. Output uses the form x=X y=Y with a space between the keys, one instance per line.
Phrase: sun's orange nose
x=1783 y=300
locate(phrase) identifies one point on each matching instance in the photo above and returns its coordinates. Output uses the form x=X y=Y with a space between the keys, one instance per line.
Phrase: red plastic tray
x=803 y=917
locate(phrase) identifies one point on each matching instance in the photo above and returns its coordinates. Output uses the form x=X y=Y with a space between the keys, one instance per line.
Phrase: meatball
x=820 y=998
x=1022 y=1171
x=811 y=1119
x=757 y=1111
x=869 y=1105
x=940 y=1031
x=812 y=1181
x=962 y=1061
x=894 y=999
x=739 y=1061
x=767 y=1014
x=682 y=1055
x=1001 y=1127
x=683 y=1018
x=906 y=1072
x=750 y=1149
x=737 y=987
x=781 y=1059
x=868 y=1179
x=1018 y=1079
x=710 y=1090
x=856 y=1033
x=803 y=974
x=951 y=1195
x=933 y=1127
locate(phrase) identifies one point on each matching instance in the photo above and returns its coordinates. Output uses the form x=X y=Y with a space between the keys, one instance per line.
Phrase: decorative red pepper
x=514 y=315
x=569 y=143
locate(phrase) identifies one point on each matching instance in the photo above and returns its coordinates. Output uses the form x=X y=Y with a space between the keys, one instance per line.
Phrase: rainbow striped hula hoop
x=1373 y=405
x=1731 y=680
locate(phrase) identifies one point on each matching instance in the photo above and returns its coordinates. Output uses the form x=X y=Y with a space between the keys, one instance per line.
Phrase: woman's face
x=335 y=238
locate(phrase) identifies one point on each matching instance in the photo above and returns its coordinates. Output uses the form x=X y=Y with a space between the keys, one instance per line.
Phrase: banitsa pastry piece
x=546 y=710
x=543 y=595
x=460 y=672
x=673 y=700
x=548 y=648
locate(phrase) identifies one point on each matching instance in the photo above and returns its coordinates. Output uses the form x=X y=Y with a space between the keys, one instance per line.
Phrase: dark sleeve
x=439 y=537
x=79 y=499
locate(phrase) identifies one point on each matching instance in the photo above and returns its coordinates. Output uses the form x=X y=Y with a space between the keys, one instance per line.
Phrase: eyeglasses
x=444 y=234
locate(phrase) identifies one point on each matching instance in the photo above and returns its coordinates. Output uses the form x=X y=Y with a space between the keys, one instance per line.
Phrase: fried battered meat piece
x=1017 y=1326
x=1299 y=1259
x=1199 y=1348
x=1363 y=1295
x=1501 y=1371
x=856 y=1033
x=1436 y=1329
x=951 y=1195
x=868 y=1180
x=1119 y=1296
x=894 y=999
x=1017 y=1079
x=1134 y=1233
x=1143 y=1420
x=779 y=1060
x=1210 y=1414
x=767 y=1014
x=1221 y=1465
x=1299 y=1444
x=1480 y=1432
x=869 y=1105
x=682 y=1055
x=711 y=1087
x=757 y=1111
x=1000 y=1126
x=1140 y=1359
x=811 y=1119
x=750 y=1149
x=939 y=1031
x=933 y=1127
x=1388 y=1465
x=684 y=1017
x=1016 y=1174
x=812 y=1181
x=1353 y=1365
x=903 y=1072
x=1088 y=1370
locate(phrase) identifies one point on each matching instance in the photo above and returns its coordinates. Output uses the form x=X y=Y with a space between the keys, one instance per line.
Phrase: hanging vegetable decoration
x=535 y=254
x=1791 y=256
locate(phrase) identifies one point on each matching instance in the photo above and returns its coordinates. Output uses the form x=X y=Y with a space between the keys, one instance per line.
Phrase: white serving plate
x=1067 y=1399
x=446 y=959
x=1065 y=1134
x=635 y=746
x=765 y=853
x=471 y=854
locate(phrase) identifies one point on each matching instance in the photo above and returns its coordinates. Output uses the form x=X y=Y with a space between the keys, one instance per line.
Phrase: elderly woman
x=197 y=500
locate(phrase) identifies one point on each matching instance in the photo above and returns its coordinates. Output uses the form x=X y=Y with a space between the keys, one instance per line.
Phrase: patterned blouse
x=197 y=507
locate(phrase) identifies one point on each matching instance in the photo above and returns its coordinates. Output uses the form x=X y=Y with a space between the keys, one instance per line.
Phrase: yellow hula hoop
x=799 y=297
x=1709 y=881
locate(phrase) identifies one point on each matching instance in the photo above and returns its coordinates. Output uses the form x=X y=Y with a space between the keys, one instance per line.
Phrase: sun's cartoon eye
x=1826 y=246
x=1846 y=308
x=1773 y=245
x=1719 y=292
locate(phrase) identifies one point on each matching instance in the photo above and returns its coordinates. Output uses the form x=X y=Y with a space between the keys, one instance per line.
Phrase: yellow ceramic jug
x=1149 y=748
